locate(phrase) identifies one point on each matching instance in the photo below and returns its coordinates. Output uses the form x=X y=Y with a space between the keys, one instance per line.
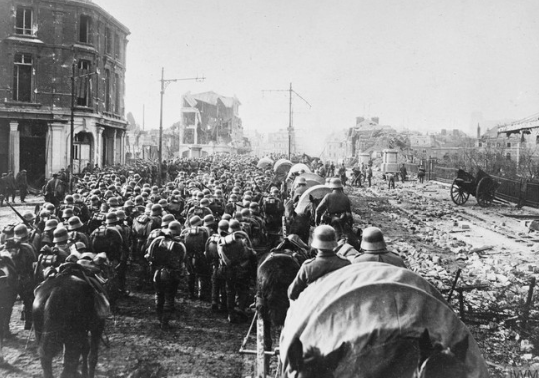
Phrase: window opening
x=23 y=21
x=22 y=78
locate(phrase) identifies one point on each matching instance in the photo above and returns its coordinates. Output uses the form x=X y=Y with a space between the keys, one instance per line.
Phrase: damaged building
x=60 y=59
x=209 y=124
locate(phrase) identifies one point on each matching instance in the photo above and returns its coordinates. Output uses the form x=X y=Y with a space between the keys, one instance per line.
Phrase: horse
x=376 y=320
x=300 y=224
x=8 y=295
x=66 y=315
x=276 y=271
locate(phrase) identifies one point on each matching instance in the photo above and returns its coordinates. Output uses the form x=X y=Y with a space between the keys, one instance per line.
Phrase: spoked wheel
x=486 y=191
x=458 y=194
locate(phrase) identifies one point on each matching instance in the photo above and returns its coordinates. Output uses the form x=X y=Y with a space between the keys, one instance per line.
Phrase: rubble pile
x=435 y=237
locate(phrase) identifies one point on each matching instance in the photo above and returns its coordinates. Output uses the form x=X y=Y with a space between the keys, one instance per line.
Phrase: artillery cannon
x=482 y=187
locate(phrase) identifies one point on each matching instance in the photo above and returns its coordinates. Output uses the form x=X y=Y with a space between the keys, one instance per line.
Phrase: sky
x=418 y=64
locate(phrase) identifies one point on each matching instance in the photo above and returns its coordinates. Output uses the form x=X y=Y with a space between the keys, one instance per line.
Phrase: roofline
x=90 y=4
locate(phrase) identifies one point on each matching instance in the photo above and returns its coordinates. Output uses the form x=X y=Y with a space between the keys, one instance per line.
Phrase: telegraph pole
x=290 y=113
x=164 y=85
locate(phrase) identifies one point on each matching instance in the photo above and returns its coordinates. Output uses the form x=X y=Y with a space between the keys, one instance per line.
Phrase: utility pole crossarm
x=290 y=118
x=164 y=85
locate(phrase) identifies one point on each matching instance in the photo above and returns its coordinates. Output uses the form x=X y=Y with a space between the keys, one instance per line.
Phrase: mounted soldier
x=326 y=261
x=334 y=205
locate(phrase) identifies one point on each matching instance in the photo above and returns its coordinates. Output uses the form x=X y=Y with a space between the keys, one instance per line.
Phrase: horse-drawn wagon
x=376 y=320
x=482 y=187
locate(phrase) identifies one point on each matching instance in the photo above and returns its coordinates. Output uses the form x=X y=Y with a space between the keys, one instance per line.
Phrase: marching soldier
x=326 y=261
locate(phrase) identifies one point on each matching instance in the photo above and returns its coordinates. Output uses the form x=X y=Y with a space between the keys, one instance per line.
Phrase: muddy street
x=492 y=247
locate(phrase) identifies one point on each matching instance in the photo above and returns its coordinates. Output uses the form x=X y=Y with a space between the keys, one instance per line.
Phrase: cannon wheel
x=458 y=194
x=485 y=192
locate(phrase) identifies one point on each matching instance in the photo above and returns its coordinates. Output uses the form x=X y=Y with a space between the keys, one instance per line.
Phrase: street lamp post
x=164 y=84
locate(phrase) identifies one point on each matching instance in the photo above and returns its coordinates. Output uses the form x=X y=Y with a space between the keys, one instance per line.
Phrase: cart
x=482 y=187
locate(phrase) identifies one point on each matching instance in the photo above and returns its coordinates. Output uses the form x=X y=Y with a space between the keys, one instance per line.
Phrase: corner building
x=44 y=44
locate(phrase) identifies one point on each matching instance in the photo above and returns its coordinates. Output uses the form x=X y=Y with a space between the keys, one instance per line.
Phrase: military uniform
x=312 y=269
x=384 y=256
x=335 y=203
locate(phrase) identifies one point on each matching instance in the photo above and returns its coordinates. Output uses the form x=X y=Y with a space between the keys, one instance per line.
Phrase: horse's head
x=313 y=364
x=438 y=362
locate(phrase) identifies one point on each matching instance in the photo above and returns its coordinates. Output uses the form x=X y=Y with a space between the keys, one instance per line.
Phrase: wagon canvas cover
x=369 y=306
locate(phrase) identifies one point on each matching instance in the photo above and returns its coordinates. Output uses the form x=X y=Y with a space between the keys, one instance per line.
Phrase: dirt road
x=420 y=222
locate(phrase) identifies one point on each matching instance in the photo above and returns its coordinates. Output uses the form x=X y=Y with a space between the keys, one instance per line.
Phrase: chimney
x=375 y=120
x=359 y=120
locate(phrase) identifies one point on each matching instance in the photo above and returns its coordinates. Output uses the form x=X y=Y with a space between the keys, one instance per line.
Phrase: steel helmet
x=206 y=192
x=167 y=219
x=137 y=189
x=254 y=206
x=67 y=213
x=175 y=228
x=129 y=204
x=226 y=216
x=81 y=247
x=60 y=235
x=234 y=225
x=155 y=189
x=51 y=224
x=44 y=214
x=209 y=219
x=275 y=191
x=302 y=181
x=233 y=198
x=69 y=199
x=139 y=200
x=335 y=183
x=239 y=216
x=199 y=195
x=20 y=232
x=121 y=215
x=111 y=218
x=156 y=209
x=245 y=213
x=94 y=198
x=195 y=221
x=204 y=202
x=113 y=201
x=223 y=225
x=324 y=237
x=373 y=240
x=28 y=216
x=50 y=207
x=74 y=223
x=163 y=202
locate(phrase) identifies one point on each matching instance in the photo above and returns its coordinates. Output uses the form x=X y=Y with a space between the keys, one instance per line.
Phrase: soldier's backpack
x=142 y=226
x=233 y=251
x=195 y=240
x=211 y=248
x=109 y=240
x=271 y=206
x=160 y=256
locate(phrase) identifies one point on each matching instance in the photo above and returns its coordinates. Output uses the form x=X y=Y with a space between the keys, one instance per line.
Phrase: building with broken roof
x=209 y=124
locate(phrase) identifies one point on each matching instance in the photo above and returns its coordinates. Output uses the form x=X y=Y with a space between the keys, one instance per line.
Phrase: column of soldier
x=198 y=231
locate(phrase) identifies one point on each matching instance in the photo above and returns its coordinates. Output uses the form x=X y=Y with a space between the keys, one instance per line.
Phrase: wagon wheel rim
x=458 y=195
x=485 y=192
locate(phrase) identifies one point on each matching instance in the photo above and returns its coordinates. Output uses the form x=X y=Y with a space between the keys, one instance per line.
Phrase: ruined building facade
x=209 y=124
x=59 y=56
